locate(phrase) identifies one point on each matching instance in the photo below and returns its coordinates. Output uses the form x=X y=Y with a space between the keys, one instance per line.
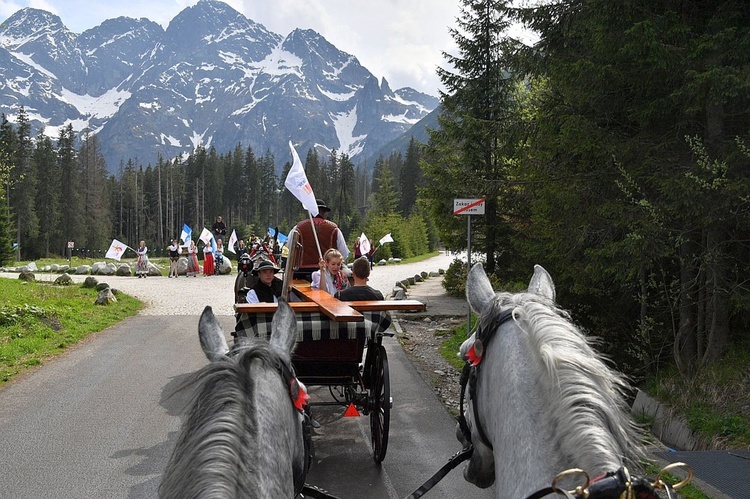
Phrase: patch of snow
x=171 y=140
x=344 y=124
x=104 y=106
x=26 y=59
x=337 y=97
x=400 y=118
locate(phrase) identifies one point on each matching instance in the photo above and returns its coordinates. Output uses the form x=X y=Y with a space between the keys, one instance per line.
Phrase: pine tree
x=471 y=154
x=48 y=198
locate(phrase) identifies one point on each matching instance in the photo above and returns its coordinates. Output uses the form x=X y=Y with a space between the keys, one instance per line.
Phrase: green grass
x=689 y=491
x=714 y=400
x=450 y=346
x=39 y=320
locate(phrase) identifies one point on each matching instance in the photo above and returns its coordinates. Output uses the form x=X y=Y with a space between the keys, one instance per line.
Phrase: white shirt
x=252 y=297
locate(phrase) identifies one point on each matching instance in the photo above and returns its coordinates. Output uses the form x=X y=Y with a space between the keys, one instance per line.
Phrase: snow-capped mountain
x=212 y=78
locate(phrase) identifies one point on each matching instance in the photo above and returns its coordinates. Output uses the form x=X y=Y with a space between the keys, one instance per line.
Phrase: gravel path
x=190 y=295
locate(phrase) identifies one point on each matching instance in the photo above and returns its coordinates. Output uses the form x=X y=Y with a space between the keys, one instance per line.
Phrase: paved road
x=99 y=421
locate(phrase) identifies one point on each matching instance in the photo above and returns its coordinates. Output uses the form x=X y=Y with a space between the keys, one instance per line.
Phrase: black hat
x=322 y=205
x=265 y=264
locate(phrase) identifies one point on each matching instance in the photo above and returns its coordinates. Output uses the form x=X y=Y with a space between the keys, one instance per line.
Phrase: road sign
x=71 y=244
x=468 y=206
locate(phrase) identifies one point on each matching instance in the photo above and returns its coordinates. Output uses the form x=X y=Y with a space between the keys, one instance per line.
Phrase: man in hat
x=329 y=236
x=268 y=287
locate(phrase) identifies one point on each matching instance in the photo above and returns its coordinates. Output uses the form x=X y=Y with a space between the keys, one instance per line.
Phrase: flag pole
x=324 y=274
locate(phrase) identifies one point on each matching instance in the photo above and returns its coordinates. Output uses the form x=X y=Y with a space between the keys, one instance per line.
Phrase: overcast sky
x=401 y=40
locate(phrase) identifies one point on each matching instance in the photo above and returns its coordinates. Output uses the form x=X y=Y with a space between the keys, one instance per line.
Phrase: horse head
x=540 y=399
x=245 y=429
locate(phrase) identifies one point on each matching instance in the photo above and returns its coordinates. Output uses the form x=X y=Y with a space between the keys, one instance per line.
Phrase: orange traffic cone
x=351 y=411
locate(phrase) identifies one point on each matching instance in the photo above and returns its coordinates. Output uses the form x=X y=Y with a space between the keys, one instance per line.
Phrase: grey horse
x=543 y=400
x=244 y=434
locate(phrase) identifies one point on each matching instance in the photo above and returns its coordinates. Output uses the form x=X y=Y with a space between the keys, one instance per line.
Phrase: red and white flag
x=116 y=249
x=297 y=183
x=364 y=244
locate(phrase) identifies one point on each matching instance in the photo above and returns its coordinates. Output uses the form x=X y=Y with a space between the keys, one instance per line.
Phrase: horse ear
x=284 y=328
x=479 y=291
x=541 y=283
x=213 y=343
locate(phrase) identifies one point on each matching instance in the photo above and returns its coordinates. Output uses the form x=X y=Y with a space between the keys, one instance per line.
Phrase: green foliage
x=715 y=400
x=10 y=315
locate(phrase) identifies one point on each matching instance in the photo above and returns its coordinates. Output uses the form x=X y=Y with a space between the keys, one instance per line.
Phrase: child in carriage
x=331 y=277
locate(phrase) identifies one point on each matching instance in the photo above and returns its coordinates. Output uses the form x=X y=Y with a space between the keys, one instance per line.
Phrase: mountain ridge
x=212 y=78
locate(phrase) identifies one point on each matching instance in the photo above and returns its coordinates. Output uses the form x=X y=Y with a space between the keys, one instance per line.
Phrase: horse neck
x=514 y=413
x=279 y=436
x=544 y=420
x=241 y=436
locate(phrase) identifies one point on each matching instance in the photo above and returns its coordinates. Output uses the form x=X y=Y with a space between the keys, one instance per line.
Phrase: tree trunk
x=685 y=342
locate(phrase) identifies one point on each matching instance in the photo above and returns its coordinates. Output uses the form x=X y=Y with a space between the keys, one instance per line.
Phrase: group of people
x=328 y=273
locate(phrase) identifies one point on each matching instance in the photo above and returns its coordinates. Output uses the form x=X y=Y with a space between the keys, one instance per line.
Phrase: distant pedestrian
x=141 y=266
x=174 y=257
x=208 y=260
x=193 y=267
x=220 y=229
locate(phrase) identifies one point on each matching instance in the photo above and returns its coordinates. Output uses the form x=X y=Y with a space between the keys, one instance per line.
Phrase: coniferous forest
x=56 y=192
x=615 y=152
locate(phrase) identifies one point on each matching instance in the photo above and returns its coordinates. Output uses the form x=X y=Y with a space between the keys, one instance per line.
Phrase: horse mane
x=585 y=398
x=217 y=446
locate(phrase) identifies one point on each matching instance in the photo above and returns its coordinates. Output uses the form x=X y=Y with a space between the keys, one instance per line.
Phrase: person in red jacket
x=329 y=236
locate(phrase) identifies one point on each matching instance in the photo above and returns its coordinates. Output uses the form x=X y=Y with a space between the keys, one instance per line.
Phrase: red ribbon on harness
x=298 y=392
x=475 y=353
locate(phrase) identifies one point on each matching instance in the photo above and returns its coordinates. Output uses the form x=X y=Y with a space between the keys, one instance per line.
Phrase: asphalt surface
x=101 y=420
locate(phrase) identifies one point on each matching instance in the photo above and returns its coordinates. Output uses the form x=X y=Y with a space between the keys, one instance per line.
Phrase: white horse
x=244 y=434
x=543 y=400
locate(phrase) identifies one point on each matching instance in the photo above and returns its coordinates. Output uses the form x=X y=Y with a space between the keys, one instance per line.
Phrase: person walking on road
x=141 y=266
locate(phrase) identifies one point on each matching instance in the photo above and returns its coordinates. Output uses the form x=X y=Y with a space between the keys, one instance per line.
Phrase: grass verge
x=39 y=320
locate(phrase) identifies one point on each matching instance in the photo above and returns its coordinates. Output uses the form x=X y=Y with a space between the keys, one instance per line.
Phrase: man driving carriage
x=328 y=234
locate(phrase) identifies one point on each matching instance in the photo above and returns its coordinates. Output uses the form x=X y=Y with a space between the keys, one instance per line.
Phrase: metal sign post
x=468 y=207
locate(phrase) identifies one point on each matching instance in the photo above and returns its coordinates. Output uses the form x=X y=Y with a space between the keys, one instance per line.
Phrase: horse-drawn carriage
x=540 y=402
x=332 y=338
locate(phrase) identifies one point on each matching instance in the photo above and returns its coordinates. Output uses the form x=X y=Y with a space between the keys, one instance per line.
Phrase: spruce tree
x=470 y=155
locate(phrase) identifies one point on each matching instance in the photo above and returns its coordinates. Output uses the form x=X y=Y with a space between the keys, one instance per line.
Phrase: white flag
x=232 y=241
x=206 y=236
x=364 y=244
x=297 y=183
x=116 y=249
x=386 y=239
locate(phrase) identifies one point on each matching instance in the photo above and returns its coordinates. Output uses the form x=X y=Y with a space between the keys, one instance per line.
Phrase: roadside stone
x=102 y=286
x=90 y=282
x=64 y=280
x=105 y=297
x=124 y=270
x=418 y=278
x=27 y=276
x=83 y=269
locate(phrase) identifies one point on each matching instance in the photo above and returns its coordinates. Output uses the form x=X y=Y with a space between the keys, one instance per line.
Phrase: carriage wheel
x=380 y=394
